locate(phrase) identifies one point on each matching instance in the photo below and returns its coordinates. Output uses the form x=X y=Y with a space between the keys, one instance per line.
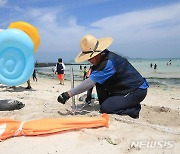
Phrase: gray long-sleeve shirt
x=82 y=87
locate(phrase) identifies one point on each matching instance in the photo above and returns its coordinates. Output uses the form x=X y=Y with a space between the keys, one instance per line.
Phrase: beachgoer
x=34 y=75
x=170 y=62
x=151 y=65
x=60 y=67
x=28 y=85
x=84 y=72
x=120 y=87
x=155 y=66
x=80 y=67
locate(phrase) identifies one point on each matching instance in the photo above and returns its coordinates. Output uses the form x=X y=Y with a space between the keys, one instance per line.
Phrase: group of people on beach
x=155 y=66
x=169 y=62
x=59 y=70
x=120 y=87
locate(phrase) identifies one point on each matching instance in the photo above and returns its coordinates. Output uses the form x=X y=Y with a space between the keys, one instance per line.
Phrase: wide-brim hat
x=91 y=47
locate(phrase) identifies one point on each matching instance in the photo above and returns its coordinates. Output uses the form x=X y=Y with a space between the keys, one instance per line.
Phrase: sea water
x=167 y=71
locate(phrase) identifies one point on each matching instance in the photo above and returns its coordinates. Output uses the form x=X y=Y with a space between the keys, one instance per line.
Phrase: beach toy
x=16 y=57
x=11 y=128
x=28 y=29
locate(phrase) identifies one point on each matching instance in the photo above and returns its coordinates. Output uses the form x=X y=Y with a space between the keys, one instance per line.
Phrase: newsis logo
x=150 y=144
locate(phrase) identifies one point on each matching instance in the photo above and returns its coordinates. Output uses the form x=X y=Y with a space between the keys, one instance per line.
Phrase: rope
x=73 y=111
x=79 y=110
x=19 y=129
x=157 y=127
x=49 y=107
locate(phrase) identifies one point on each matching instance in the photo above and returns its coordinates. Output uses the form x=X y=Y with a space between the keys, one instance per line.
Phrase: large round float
x=16 y=57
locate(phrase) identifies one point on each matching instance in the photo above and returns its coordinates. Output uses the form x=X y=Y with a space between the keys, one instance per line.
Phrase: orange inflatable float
x=30 y=30
x=11 y=128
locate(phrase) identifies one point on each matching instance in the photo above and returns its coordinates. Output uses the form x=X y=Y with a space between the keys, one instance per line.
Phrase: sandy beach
x=156 y=131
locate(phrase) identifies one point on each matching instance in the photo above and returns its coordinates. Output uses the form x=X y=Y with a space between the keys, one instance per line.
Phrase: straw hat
x=91 y=47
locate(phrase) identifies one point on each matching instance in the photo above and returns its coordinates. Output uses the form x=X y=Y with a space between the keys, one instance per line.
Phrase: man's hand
x=62 y=98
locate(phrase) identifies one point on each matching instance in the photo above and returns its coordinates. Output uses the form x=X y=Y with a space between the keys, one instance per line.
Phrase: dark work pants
x=122 y=104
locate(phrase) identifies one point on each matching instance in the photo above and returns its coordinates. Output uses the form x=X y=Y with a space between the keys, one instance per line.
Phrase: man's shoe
x=134 y=112
x=135 y=115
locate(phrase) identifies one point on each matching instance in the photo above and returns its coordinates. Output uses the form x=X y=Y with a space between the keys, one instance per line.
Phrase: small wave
x=164 y=81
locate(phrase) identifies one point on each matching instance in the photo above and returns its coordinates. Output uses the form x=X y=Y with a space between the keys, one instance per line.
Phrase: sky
x=139 y=28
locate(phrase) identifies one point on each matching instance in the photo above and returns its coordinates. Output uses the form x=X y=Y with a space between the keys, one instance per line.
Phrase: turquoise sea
x=167 y=72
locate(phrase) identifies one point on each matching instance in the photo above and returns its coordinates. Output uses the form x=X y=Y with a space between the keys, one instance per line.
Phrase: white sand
x=159 y=123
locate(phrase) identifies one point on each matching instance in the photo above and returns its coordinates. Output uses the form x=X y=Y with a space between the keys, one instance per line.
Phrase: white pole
x=72 y=86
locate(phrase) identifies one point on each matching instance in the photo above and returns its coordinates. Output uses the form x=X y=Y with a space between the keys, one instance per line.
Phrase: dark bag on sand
x=10 y=104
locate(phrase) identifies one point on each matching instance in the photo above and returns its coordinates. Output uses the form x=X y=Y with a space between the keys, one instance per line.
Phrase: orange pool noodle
x=11 y=128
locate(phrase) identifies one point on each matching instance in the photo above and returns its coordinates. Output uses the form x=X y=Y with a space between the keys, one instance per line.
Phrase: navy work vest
x=125 y=80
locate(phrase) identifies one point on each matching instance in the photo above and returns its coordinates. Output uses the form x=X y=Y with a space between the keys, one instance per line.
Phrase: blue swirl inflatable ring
x=16 y=57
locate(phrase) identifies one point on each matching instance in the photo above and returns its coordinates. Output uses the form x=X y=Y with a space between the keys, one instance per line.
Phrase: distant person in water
x=60 y=67
x=151 y=65
x=155 y=66
x=170 y=62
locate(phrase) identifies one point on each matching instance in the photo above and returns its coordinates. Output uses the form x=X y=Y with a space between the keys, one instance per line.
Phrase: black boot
x=133 y=112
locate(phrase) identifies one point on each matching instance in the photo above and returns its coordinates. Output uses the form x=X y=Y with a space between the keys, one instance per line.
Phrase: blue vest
x=125 y=80
x=60 y=69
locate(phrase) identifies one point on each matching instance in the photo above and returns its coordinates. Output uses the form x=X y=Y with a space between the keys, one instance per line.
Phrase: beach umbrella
x=11 y=128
